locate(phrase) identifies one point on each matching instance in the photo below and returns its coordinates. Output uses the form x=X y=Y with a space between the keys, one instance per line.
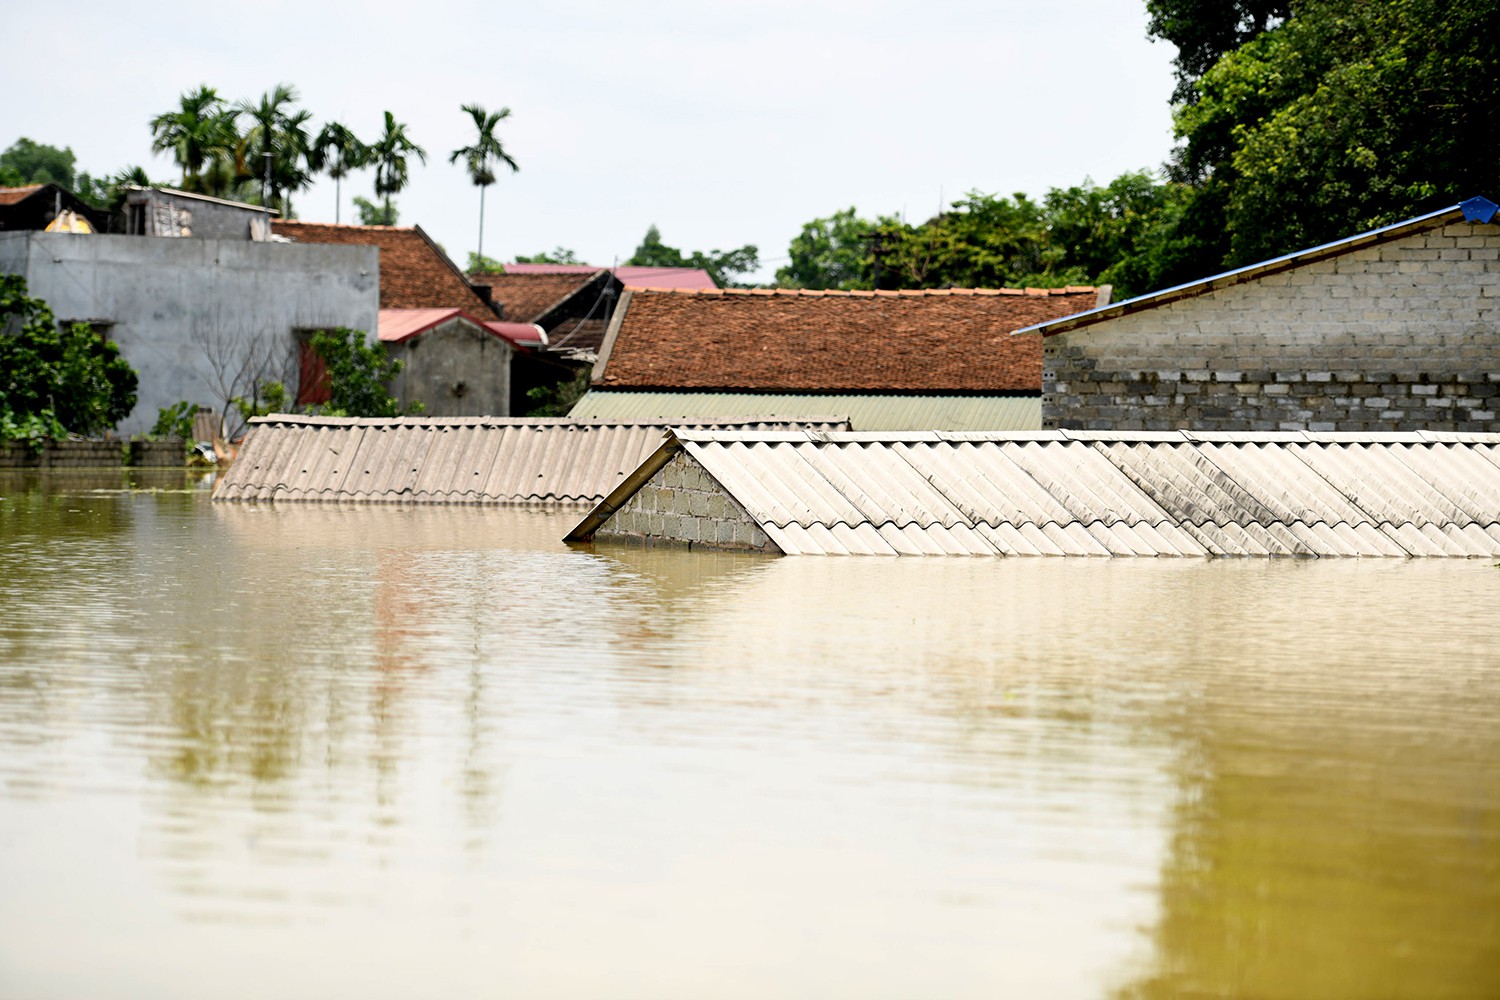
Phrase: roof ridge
x=869 y=293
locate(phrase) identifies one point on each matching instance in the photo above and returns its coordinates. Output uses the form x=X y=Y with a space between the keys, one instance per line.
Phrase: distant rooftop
x=773 y=340
x=629 y=274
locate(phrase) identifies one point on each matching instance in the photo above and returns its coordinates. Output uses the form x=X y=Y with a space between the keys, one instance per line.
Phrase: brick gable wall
x=1397 y=337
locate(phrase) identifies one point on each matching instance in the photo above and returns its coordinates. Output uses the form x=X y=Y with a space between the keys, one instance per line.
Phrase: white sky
x=723 y=124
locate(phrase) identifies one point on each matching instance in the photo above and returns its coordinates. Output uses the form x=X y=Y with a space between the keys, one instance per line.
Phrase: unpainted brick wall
x=1397 y=337
x=683 y=505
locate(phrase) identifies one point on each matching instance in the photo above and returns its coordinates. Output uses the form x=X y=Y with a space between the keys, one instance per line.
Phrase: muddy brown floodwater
x=383 y=752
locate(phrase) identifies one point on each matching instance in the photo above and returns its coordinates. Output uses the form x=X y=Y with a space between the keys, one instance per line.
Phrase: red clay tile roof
x=948 y=340
x=12 y=195
x=414 y=271
x=528 y=297
x=577 y=335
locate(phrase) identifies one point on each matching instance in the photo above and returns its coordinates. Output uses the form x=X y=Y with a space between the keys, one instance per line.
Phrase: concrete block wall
x=457 y=369
x=683 y=505
x=1401 y=336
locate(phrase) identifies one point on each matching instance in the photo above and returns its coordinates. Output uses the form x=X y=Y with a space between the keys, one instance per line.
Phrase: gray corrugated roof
x=480 y=460
x=865 y=412
x=1074 y=493
x=1473 y=210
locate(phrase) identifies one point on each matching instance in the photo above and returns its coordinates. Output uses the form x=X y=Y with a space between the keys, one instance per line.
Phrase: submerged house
x=458 y=372
x=1061 y=493
x=447 y=460
x=910 y=360
x=1397 y=329
x=196 y=309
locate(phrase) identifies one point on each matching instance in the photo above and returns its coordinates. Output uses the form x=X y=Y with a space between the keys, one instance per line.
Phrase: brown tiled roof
x=414 y=271
x=946 y=340
x=528 y=297
x=12 y=195
x=577 y=335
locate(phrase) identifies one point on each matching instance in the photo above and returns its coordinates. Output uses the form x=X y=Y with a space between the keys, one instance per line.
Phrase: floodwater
x=307 y=751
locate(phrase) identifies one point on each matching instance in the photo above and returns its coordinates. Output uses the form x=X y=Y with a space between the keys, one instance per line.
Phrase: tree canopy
x=724 y=266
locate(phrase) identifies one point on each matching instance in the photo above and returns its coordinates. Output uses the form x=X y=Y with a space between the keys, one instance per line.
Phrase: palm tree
x=282 y=133
x=200 y=132
x=477 y=157
x=337 y=150
x=389 y=155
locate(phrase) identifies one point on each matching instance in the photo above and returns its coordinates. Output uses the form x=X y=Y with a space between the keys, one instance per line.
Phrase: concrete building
x=186 y=215
x=197 y=318
x=1397 y=329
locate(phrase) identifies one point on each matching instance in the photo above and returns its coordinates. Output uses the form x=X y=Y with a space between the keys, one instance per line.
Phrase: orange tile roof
x=12 y=195
x=414 y=271
x=528 y=297
x=941 y=340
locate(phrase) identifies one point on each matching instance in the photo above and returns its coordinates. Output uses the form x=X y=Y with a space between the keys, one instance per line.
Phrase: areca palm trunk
x=481 y=224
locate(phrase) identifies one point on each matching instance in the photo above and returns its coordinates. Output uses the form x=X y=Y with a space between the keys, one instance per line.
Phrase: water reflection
x=436 y=751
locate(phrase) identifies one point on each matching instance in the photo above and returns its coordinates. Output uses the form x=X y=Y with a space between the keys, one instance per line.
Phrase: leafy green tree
x=389 y=155
x=1206 y=30
x=28 y=162
x=484 y=265
x=558 y=255
x=478 y=156
x=108 y=192
x=834 y=252
x=279 y=130
x=722 y=265
x=358 y=374
x=336 y=150
x=371 y=214
x=67 y=376
x=202 y=135
x=1348 y=115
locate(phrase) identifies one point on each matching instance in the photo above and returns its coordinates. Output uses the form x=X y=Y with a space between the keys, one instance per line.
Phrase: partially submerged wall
x=188 y=313
x=683 y=505
x=1400 y=336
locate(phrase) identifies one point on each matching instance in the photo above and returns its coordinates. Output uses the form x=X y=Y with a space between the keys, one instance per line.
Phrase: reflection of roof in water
x=1074 y=493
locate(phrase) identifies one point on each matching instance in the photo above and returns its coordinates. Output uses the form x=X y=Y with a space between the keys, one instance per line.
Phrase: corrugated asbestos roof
x=866 y=412
x=1074 y=493
x=477 y=460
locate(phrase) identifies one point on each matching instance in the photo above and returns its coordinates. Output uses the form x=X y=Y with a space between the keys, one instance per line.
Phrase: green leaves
x=722 y=265
x=67 y=376
x=358 y=374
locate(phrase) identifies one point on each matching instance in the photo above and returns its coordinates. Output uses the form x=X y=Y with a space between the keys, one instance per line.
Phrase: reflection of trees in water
x=1331 y=848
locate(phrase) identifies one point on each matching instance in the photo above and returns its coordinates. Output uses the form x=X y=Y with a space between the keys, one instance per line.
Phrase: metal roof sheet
x=881 y=412
x=481 y=460
x=1072 y=493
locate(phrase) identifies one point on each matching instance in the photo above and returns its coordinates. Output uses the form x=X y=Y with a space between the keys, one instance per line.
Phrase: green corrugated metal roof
x=865 y=413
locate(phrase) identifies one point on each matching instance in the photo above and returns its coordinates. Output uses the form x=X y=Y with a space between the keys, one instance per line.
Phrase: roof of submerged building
x=1097 y=494
x=473 y=460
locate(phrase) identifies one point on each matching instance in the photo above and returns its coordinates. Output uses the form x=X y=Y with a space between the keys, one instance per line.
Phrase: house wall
x=1397 y=337
x=683 y=505
x=455 y=370
x=205 y=220
x=188 y=313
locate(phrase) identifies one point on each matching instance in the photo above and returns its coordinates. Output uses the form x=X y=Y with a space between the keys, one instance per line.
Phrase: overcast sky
x=723 y=124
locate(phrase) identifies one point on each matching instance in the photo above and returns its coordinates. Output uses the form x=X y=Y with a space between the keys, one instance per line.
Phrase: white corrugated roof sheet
x=478 y=460
x=1074 y=493
x=886 y=412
